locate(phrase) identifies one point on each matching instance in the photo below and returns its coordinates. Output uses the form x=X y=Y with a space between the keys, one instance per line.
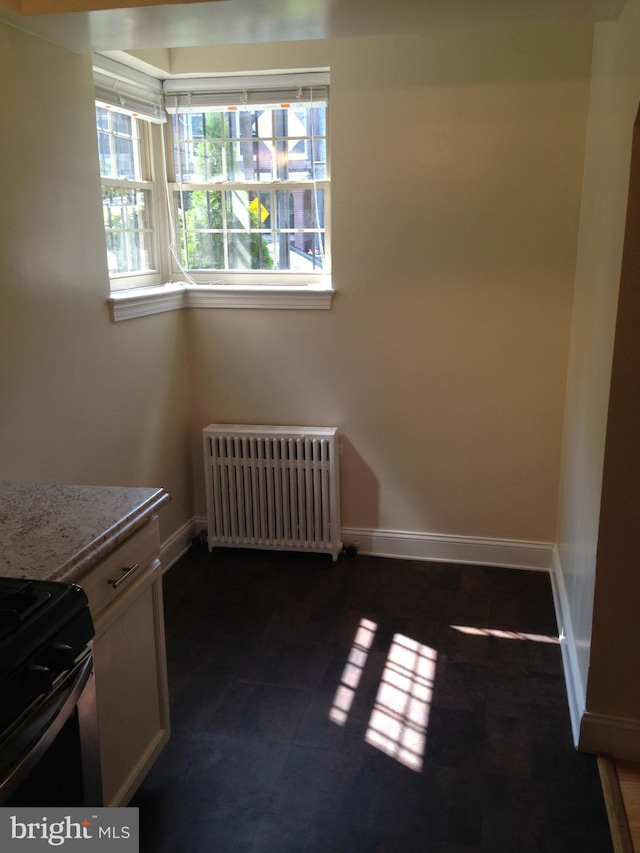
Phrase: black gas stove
x=44 y=627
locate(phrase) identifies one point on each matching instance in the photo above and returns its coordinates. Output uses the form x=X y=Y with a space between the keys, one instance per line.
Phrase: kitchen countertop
x=58 y=532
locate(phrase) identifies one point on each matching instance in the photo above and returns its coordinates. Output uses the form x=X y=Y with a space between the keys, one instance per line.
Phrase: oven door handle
x=29 y=739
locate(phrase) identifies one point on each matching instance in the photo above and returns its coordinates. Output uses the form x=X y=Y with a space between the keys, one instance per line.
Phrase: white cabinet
x=125 y=597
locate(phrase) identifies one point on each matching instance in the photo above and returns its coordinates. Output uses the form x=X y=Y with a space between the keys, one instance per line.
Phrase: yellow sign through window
x=258 y=209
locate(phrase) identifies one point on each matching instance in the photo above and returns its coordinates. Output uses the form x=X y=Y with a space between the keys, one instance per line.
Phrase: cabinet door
x=131 y=685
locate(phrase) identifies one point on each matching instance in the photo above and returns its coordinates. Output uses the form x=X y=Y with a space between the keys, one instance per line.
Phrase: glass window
x=251 y=188
x=244 y=192
x=127 y=193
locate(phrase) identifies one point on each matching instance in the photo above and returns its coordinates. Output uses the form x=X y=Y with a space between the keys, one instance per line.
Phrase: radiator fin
x=272 y=487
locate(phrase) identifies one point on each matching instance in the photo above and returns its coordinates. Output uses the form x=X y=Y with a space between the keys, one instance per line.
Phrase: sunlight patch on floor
x=399 y=720
x=352 y=672
x=505 y=635
x=400 y=716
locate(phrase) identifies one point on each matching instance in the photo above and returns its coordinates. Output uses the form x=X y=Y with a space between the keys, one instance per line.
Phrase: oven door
x=56 y=733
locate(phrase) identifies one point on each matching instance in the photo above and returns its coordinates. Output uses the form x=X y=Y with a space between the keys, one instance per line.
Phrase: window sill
x=140 y=302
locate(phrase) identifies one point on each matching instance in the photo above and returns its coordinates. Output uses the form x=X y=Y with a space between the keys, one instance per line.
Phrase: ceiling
x=253 y=21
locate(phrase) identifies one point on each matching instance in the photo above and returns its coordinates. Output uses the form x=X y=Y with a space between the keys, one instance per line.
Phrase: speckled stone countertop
x=57 y=532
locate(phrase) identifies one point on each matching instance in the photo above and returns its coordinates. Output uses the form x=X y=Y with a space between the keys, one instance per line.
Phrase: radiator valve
x=200 y=541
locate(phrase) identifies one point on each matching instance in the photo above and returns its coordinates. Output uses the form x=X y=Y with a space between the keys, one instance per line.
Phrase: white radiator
x=273 y=487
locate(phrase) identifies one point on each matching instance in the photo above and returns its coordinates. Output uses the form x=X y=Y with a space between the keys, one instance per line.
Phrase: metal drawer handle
x=128 y=570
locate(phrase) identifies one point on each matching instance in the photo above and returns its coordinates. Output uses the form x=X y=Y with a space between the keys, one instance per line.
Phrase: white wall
x=615 y=95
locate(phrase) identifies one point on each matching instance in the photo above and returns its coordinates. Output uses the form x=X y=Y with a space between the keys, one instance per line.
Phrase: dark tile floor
x=365 y=706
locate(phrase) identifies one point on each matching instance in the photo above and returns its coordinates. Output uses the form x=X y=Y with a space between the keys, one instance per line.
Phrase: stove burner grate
x=17 y=604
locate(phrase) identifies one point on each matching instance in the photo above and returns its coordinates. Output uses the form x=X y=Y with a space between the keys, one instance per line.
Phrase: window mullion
x=127 y=184
x=112 y=147
x=225 y=229
x=275 y=224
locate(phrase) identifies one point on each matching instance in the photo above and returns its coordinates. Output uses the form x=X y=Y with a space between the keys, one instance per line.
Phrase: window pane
x=250 y=252
x=104 y=152
x=122 y=123
x=305 y=160
x=271 y=229
x=125 y=158
x=200 y=216
x=208 y=162
x=127 y=252
x=198 y=162
x=318 y=159
x=249 y=160
x=202 y=250
x=300 y=209
x=193 y=124
x=199 y=209
x=219 y=230
x=207 y=125
x=299 y=252
x=259 y=204
x=261 y=144
x=243 y=124
x=248 y=210
x=128 y=229
x=300 y=223
x=102 y=118
x=118 y=145
x=298 y=121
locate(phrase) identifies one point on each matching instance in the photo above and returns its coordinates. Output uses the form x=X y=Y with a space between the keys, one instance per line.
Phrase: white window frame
x=167 y=289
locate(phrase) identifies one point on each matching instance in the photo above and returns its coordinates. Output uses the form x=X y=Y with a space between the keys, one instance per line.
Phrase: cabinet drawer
x=140 y=549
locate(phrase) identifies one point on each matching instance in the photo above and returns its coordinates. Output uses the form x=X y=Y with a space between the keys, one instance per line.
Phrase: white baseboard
x=576 y=690
x=484 y=551
x=614 y=736
x=599 y=734
x=178 y=543
x=510 y=553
